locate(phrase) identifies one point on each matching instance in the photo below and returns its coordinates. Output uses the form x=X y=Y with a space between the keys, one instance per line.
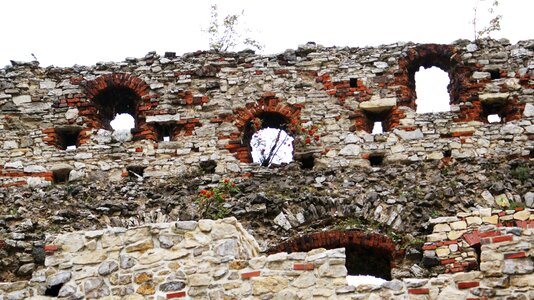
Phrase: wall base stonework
x=220 y=260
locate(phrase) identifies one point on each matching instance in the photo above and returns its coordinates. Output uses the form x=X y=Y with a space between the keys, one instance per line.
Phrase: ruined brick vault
x=439 y=204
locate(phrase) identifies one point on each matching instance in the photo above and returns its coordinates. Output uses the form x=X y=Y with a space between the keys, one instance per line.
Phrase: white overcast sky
x=67 y=32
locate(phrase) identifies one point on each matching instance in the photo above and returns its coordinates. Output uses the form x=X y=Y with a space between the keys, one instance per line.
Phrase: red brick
x=306 y=267
x=50 y=248
x=489 y=233
x=502 y=238
x=176 y=295
x=429 y=247
x=447 y=261
x=250 y=274
x=468 y=284
x=419 y=291
x=472 y=238
x=515 y=255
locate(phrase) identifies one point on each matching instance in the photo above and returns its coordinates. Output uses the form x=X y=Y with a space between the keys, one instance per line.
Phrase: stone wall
x=205 y=101
x=434 y=164
x=219 y=259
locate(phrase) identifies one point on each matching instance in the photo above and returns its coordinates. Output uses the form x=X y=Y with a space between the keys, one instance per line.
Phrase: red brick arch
x=122 y=80
x=365 y=253
x=338 y=239
x=93 y=87
x=268 y=103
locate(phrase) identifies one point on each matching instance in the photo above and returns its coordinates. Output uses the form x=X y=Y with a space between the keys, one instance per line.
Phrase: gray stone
x=471 y=47
x=350 y=150
x=282 y=221
x=378 y=105
x=95 y=288
x=518 y=266
x=18 y=100
x=163 y=118
x=67 y=290
x=529 y=110
x=395 y=285
x=409 y=135
x=493 y=97
x=415 y=283
x=529 y=199
x=172 y=286
x=126 y=261
x=511 y=129
x=165 y=242
x=481 y=75
x=8 y=145
x=186 y=225
x=26 y=269
x=58 y=278
x=227 y=248
x=305 y=280
x=122 y=136
x=107 y=268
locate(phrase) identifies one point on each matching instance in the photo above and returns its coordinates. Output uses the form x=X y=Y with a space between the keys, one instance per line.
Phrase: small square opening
x=377 y=128
x=164 y=132
x=307 y=161
x=67 y=138
x=136 y=172
x=447 y=153
x=495 y=74
x=353 y=82
x=376 y=159
x=61 y=176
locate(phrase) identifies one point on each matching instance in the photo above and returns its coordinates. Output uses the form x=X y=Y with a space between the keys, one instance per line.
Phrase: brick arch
x=337 y=239
x=130 y=83
x=268 y=103
x=366 y=253
x=445 y=57
x=136 y=84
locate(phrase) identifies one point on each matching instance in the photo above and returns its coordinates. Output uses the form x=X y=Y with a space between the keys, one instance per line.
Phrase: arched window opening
x=369 y=257
x=117 y=107
x=431 y=90
x=269 y=141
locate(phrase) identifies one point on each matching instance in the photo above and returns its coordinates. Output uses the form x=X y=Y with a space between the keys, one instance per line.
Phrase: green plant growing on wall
x=211 y=201
x=494 y=22
x=520 y=172
x=226 y=35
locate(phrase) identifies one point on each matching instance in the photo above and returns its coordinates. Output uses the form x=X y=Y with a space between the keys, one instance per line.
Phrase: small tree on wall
x=226 y=35
x=494 y=22
x=272 y=148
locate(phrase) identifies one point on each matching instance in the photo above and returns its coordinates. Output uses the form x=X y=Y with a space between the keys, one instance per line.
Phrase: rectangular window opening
x=67 y=138
x=376 y=159
x=136 y=172
x=164 y=132
x=377 y=128
x=61 y=176
x=353 y=82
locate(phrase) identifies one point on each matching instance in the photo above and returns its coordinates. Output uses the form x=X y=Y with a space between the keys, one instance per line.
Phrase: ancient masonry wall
x=220 y=260
x=204 y=101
